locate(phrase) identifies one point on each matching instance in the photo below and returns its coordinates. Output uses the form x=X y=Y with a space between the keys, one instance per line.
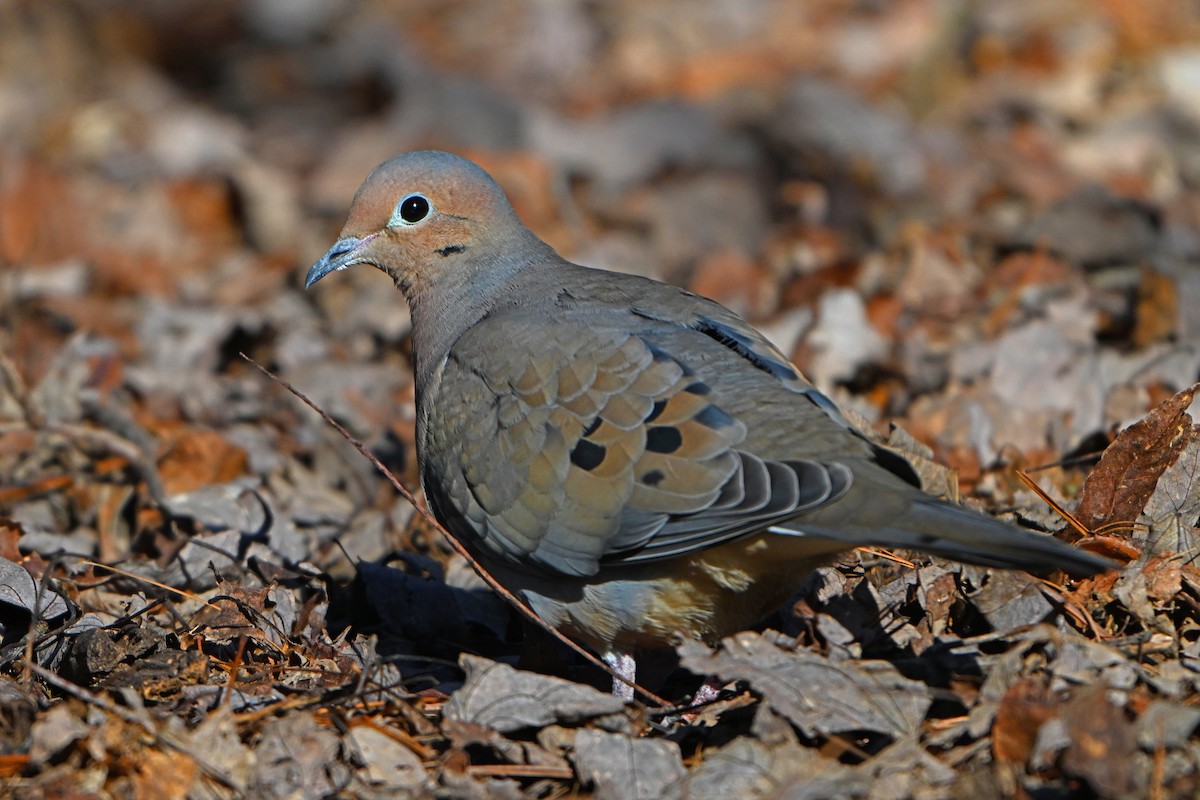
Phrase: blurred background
x=977 y=219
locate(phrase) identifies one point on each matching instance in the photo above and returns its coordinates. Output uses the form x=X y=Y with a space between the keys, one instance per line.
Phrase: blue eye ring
x=411 y=210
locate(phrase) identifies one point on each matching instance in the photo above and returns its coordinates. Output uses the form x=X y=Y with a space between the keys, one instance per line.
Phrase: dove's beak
x=345 y=253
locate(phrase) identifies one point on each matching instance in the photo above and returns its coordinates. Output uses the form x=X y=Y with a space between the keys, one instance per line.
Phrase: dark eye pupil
x=414 y=209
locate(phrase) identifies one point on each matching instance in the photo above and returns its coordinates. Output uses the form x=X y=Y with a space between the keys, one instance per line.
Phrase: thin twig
x=148 y=581
x=1083 y=530
x=1071 y=519
x=887 y=555
x=234 y=667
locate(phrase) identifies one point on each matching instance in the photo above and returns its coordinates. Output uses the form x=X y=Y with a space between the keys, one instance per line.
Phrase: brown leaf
x=33 y=201
x=205 y=208
x=1026 y=706
x=238 y=611
x=939 y=594
x=161 y=773
x=1157 y=309
x=10 y=534
x=43 y=485
x=195 y=458
x=1119 y=487
x=1102 y=744
x=1164 y=578
x=1110 y=547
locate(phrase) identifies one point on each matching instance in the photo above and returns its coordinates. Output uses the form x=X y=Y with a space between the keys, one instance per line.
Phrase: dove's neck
x=445 y=309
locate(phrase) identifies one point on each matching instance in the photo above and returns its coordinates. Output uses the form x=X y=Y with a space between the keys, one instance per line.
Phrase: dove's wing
x=574 y=443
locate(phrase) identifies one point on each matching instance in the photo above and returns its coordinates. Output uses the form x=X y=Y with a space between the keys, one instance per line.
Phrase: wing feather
x=589 y=445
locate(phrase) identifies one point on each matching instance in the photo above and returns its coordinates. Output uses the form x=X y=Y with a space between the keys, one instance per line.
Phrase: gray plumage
x=636 y=460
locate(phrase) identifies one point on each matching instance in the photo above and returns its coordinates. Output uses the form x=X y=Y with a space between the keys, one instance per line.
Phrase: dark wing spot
x=653 y=478
x=662 y=355
x=713 y=417
x=896 y=464
x=658 y=353
x=663 y=439
x=656 y=410
x=592 y=426
x=698 y=388
x=588 y=455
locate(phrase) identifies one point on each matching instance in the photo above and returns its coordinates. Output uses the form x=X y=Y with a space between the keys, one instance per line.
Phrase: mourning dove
x=635 y=461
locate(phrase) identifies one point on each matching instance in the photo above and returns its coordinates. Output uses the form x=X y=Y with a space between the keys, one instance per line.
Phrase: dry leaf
x=1121 y=484
x=1026 y=706
x=820 y=696
x=629 y=769
x=1102 y=743
x=508 y=699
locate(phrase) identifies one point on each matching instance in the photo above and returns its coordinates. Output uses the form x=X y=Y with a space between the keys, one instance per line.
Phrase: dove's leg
x=624 y=665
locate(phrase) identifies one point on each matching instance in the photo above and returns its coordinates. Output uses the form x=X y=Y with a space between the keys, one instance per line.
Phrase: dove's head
x=428 y=219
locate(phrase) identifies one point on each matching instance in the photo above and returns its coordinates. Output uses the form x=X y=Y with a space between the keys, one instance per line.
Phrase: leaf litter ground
x=980 y=227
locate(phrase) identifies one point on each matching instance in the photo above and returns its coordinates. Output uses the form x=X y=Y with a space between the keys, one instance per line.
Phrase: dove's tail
x=951 y=531
x=924 y=523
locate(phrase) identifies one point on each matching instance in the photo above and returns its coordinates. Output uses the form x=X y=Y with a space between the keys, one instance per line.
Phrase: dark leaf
x=819 y=696
x=508 y=699
x=624 y=768
x=1102 y=743
x=1121 y=484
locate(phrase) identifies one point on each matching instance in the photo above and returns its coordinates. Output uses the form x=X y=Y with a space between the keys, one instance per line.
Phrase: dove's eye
x=411 y=210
